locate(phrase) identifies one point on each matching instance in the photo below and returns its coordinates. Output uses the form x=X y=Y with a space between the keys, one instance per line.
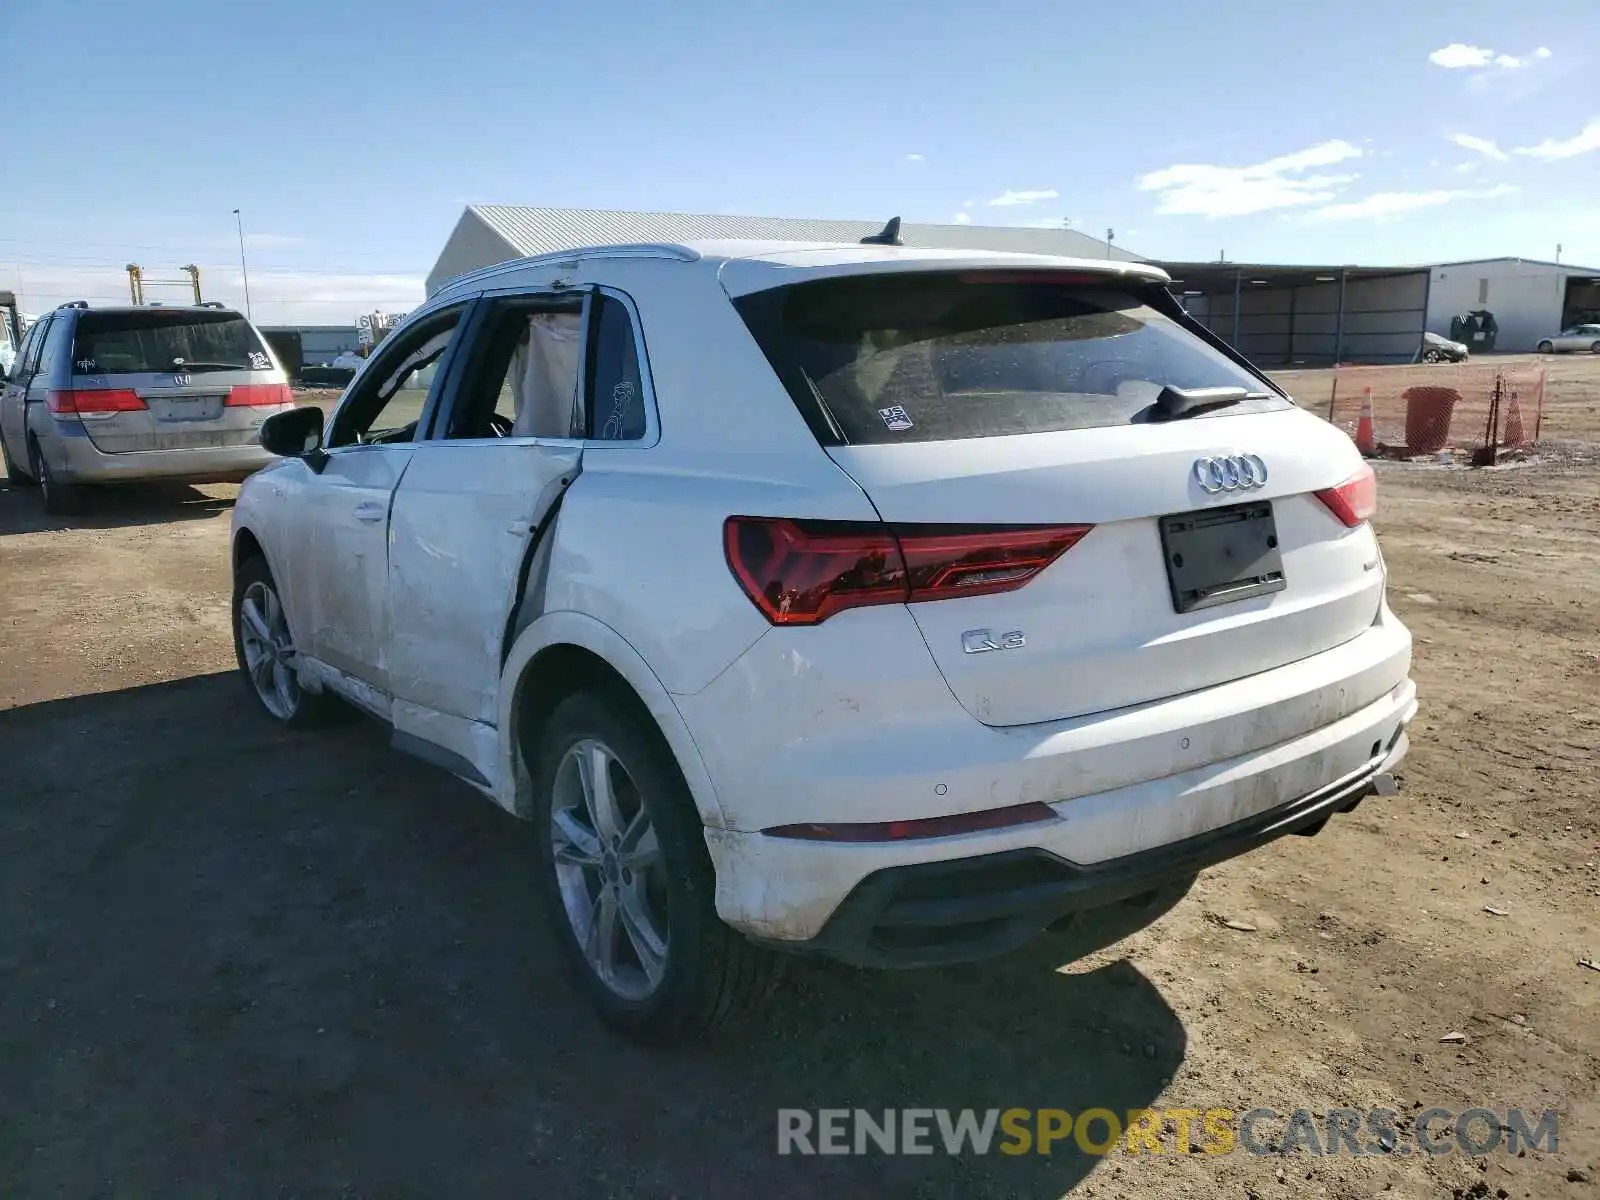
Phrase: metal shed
x=491 y=233
x=1308 y=315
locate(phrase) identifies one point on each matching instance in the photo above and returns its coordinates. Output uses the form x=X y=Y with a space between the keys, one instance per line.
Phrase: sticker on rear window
x=896 y=418
x=259 y=361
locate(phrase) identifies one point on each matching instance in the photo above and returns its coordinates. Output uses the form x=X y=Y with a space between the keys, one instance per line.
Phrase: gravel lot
x=238 y=962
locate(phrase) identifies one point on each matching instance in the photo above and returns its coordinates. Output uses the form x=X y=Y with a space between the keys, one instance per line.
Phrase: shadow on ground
x=22 y=511
x=242 y=961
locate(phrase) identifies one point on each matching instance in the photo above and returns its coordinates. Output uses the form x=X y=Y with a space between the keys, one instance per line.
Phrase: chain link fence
x=1478 y=411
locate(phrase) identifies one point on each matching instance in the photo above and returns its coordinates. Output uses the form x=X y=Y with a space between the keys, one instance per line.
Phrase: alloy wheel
x=609 y=870
x=269 y=650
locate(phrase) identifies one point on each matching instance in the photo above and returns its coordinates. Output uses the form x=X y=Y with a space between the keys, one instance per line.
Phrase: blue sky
x=352 y=134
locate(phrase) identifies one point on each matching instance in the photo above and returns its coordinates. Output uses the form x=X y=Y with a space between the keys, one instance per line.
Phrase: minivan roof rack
x=212 y=304
x=73 y=304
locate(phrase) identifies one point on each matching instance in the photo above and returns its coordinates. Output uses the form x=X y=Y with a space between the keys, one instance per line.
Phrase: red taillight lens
x=1354 y=500
x=802 y=572
x=259 y=395
x=102 y=401
x=925 y=827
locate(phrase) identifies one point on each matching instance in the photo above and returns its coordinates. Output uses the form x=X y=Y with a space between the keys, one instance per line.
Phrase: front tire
x=1594 y=347
x=14 y=474
x=265 y=650
x=626 y=880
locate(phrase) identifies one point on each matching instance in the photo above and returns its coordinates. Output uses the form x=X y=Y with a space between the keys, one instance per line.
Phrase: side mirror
x=295 y=434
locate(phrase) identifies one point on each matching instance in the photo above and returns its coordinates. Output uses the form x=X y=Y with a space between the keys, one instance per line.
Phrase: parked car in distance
x=1437 y=349
x=880 y=603
x=1579 y=337
x=118 y=395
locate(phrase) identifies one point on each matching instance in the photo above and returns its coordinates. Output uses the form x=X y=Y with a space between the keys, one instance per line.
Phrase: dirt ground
x=240 y=962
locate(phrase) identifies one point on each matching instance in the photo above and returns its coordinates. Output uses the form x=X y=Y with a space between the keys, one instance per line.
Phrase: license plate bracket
x=1221 y=555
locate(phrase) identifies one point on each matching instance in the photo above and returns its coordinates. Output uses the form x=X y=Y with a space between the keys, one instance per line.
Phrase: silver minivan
x=120 y=395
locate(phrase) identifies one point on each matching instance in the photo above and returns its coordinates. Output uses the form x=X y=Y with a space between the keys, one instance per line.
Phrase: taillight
x=1354 y=500
x=802 y=572
x=70 y=401
x=922 y=827
x=259 y=395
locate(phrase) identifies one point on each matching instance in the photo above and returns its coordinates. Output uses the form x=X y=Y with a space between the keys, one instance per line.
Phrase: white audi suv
x=882 y=603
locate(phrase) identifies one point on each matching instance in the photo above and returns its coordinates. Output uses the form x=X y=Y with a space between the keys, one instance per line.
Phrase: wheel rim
x=268 y=650
x=609 y=870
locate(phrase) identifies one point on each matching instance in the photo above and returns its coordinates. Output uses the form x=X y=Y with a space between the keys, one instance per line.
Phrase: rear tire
x=60 y=499
x=264 y=649
x=627 y=884
x=15 y=475
x=1547 y=347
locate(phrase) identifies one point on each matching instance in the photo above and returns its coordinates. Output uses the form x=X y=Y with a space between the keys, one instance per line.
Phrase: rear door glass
x=936 y=356
x=151 y=341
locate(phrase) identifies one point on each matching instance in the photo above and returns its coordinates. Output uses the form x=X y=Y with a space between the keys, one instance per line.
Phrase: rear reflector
x=70 y=401
x=259 y=395
x=802 y=572
x=1354 y=500
x=926 y=827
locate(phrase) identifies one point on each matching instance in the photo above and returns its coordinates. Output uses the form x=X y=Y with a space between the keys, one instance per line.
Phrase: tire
x=1594 y=347
x=14 y=474
x=1433 y=356
x=60 y=499
x=275 y=686
x=656 y=961
x=1547 y=347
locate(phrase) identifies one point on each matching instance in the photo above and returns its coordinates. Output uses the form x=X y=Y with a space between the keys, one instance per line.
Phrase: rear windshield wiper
x=1176 y=402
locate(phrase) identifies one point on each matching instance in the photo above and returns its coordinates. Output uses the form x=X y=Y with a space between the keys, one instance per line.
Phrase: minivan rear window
x=153 y=340
x=937 y=356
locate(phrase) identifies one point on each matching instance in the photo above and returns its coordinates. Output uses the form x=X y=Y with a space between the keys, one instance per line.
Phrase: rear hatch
x=992 y=401
x=171 y=379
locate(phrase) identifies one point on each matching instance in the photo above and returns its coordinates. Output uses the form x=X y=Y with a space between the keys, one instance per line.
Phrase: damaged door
x=479 y=500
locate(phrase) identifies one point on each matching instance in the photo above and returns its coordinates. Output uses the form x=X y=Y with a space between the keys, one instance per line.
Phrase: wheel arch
x=563 y=652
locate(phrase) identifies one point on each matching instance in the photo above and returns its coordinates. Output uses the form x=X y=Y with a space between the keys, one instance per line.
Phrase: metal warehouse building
x=1276 y=315
x=487 y=234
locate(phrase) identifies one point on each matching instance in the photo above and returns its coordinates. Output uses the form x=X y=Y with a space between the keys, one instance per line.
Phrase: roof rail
x=73 y=304
x=212 y=304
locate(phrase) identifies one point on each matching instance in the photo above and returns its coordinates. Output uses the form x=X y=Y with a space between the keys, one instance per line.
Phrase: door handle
x=371 y=511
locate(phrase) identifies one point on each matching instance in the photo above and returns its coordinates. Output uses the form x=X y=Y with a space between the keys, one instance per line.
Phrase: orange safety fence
x=1431 y=409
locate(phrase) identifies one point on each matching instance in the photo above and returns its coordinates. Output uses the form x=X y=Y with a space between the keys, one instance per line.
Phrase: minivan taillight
x=259 y=395
x=800 y=572
x=1354 y=500
x=68 y=401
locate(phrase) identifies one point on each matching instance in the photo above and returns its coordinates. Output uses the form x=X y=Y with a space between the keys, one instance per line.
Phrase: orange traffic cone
x=1514 y=434
x=1366 y=440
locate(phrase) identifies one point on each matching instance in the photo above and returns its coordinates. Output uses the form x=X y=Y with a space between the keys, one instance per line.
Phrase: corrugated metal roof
x=542 y=230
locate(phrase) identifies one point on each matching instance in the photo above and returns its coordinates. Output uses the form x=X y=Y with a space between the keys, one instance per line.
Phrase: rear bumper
x=1174 y=785
x=76 y=460
x=959 y=910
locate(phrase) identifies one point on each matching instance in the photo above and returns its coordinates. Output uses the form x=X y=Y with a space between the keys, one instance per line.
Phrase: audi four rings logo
x=1230 y=473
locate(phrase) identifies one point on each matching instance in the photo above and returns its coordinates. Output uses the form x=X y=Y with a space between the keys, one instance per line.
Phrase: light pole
x=239 y=220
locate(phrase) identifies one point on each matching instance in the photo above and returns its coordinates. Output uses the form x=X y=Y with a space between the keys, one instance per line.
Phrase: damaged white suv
x=883 y=603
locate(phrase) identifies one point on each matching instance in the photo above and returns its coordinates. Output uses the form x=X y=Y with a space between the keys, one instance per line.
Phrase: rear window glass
x=929 y=357
x=111 y=343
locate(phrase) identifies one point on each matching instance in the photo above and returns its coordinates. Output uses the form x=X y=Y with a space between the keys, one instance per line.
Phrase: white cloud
x=1482 y=146
x=1460 y=57
x=1456 y=56
x=1393 y=204
x=1212 y=191
x=913 y=158
x=962 y=218
x=1586 y=140
x=1008 y=198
